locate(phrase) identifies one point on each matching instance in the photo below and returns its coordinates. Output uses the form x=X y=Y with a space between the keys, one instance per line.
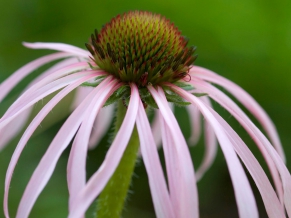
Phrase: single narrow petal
x=162 y=203
x=99 y=179
x=272 y=204
x=172 y=165
x=48 y=162
x=156 y=126
x=101 y=125
x=13 y=112
x=58 y=47
x=195 y=123
x=210 y=146
x=234 y=110
x=246 y=100
x=29 y=131
x=76 y=169
x=244 y=196
x=188 y=196
x=16 y=77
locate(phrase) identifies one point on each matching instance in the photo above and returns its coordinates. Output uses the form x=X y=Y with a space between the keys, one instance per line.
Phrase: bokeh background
x=247 y=41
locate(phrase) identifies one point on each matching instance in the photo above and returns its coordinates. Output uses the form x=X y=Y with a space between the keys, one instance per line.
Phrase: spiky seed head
x=142 y=47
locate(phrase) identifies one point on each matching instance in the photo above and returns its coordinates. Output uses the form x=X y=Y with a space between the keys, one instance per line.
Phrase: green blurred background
x=247 y=41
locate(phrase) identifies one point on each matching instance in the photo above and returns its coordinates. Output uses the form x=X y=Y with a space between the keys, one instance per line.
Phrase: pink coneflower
x=140 y=61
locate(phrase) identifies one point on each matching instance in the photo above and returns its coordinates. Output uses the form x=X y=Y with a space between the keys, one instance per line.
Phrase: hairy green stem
x=111 y=201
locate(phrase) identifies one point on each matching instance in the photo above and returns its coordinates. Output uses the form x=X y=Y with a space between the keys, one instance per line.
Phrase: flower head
x=141 y=59
x=143 y=48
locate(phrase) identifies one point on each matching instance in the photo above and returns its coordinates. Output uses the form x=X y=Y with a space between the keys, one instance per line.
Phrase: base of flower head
x=123 y=93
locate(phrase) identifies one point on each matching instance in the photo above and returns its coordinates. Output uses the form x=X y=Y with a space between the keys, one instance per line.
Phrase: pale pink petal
x=102 y=121
x=58 y=47
x=29 y=131
x=244 y=196
x=16 y=109
x=229 y=105
x=77 y=160
x=15 y=78
x=99 y=180
x=16 y=125
x=48 y=162
x=101 y=125
x=156 y=128
x=284 y=173
x=210 y=146
x=13 y=128
x=272 y=204
x=62 y=64
x=246 y=100
x=172 y=165
x=195 y=123
x=54 y=76
x=162 y=204
x=188 y=196
x=81 y=93
x=269 y=153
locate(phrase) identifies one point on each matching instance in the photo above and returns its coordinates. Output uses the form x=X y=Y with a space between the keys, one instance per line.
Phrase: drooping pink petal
x=172 y=165
x=210 y=146
x=8 y=133
x=76 y=169
x=45 y=81
x=269 y=153
x=101 y=125
x=16 y=109
x=99 y=179
x=15 y=78
x=62 y=64
x=102 y=121
x=195 y=123
x=21 y=118
x=29 y=131
x=48 y=162
x=13 y=128
x=284 y=173
x=272 y=204
x=188 y=196
x=246 y=100
x=244 y=196
x=156 y=126
x=233 y=109
x=56 y=75
x=79 y=96
x=58 y=47
x=162 y=203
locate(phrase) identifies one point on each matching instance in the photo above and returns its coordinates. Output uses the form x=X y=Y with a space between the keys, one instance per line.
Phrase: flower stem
x=111 y=201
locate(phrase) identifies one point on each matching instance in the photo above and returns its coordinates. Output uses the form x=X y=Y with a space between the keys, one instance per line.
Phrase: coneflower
x=140 y=61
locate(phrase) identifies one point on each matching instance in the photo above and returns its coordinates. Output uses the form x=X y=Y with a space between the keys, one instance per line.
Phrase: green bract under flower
x=142 y=47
